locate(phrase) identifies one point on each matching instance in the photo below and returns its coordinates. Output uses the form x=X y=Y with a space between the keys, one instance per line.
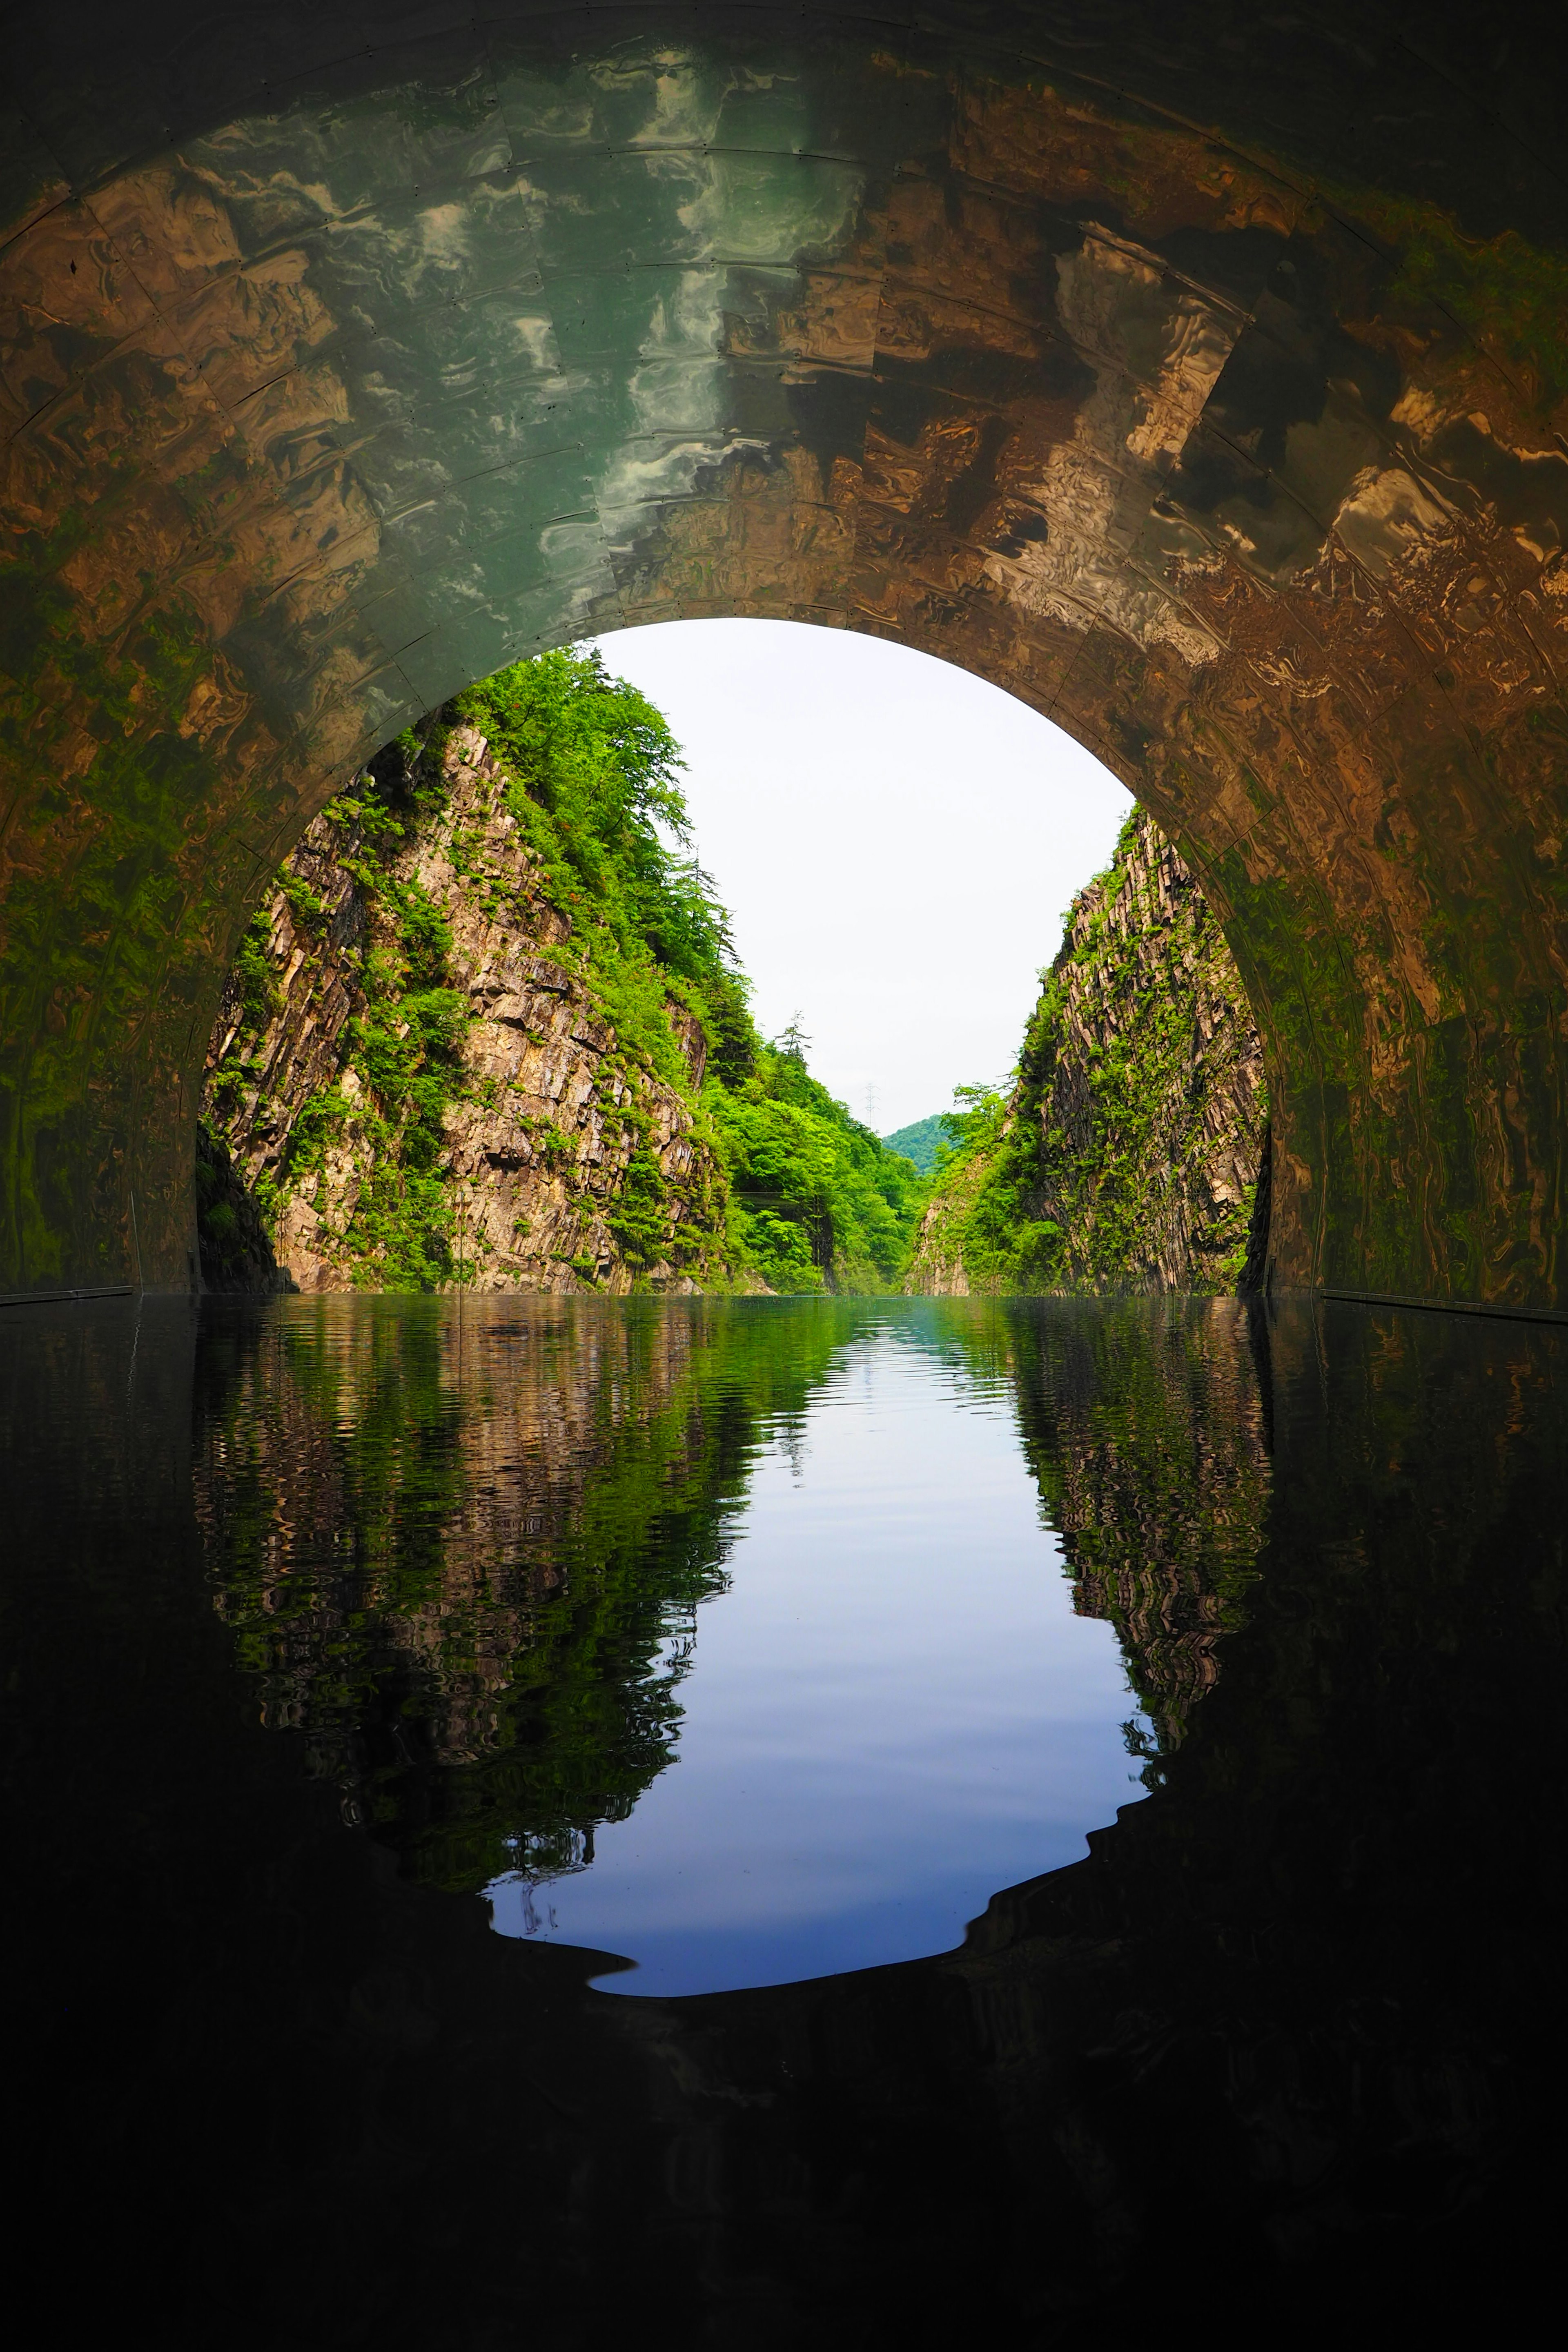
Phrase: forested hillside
x=488 y=1027
x=923 y=1142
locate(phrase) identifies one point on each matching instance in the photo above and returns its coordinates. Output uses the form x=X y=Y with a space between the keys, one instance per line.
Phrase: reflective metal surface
x=1201 y=386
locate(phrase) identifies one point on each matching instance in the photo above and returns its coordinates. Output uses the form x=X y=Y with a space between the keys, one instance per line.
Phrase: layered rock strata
x=545 y=1117
x=1129 y=1153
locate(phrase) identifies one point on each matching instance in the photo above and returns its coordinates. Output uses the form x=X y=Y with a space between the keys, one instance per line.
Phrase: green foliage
x=988 y=1180
x=974 y=1124
x=640 y=1218
x=374 y=1602
x=595 y=789
x=732 y=1050
x=591 y=779
x=256 y=986
x=304 y=904
x=405 y=1046
x=921 y=1142
x=1030 y=1199
x=819 y=1202
x=253 y=971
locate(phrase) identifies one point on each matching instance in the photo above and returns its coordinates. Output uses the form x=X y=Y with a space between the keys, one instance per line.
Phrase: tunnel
x=1195 y=374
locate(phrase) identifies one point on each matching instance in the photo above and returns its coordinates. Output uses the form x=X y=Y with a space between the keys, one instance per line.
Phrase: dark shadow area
x=1286 y=2047
x=237 y=1255
x=1200 y=383
x=1255 y=1272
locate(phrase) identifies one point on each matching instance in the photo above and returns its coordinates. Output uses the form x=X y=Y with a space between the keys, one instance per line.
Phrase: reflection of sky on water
x=892 y=1713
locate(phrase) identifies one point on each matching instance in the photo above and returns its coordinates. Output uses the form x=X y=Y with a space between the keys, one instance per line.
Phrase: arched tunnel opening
x=1205 y=391
x=1197 y=376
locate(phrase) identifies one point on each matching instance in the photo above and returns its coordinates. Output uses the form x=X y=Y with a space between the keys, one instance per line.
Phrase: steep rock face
x=1132 y=1153
x=543 y=1117
x=237 y=1249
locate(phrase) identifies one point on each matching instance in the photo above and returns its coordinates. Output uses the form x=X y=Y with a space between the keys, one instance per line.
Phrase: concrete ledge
x=53 y=1298
x=1450 y=1305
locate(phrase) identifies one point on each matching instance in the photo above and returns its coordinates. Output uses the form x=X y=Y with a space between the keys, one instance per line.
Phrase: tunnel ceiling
x=1201 y=379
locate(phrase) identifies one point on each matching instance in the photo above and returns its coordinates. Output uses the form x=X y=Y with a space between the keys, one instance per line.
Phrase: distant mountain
x=920 y=1142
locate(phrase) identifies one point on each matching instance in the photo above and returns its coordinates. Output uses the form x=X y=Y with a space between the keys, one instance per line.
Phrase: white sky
x=896 y=841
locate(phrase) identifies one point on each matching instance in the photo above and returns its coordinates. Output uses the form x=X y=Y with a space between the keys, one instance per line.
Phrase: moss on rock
x=1126 y=1155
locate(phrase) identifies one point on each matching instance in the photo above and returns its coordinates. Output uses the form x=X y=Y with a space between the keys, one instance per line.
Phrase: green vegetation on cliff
x=779 y=1186
x=816 y=1202
x=405 y=1040
x=595 y=792
x=1126 y=1155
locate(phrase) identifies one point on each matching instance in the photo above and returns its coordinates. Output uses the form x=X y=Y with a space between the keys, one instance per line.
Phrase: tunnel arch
x=1200 y=380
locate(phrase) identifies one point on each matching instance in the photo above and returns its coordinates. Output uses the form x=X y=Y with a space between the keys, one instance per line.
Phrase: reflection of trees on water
x=462 y=1552
x=1144 y=1424
x=1324 y=1964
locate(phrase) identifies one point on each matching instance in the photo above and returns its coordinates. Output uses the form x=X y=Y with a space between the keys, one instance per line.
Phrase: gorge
x=1132 y=1151
x=420 y=1076
x=1112 y=360
x=510 y=1483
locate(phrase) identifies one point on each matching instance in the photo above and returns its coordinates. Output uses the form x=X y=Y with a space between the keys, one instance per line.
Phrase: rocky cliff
x=1132 y=1151
x=411 y=1081
x=488 y=1029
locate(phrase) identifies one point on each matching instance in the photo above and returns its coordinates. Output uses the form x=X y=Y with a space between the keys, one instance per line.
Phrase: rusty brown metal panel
x=347 y=353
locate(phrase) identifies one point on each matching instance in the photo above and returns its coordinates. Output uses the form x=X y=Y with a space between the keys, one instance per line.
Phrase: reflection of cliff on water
x=462 y=1549
x=1287 y=2049
x=1298 y=2019
x=1144 y=1423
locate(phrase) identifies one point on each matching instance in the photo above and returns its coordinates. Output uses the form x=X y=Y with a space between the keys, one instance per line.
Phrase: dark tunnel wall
x=1198 y=378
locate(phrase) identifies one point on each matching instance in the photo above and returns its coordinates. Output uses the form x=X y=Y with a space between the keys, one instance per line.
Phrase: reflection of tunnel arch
x=340 y=368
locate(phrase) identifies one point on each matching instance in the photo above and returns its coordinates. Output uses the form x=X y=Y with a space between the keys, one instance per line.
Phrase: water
x=889 y=1712
x=1078 y=1787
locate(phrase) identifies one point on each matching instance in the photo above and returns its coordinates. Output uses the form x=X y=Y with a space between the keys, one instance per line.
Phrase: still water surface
x=891 y=1711
x=801 y=1654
